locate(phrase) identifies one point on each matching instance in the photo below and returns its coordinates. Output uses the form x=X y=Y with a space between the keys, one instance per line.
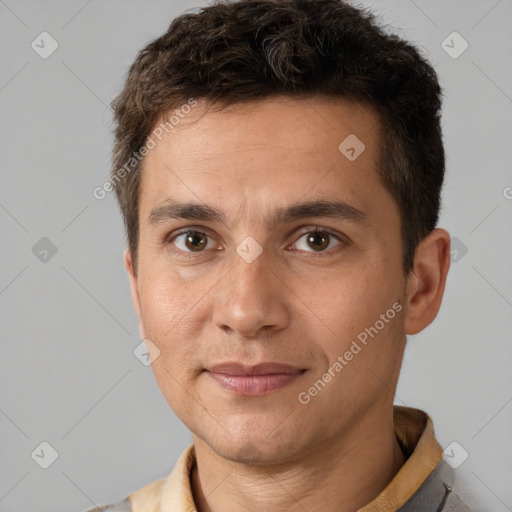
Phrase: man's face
x=207 y=297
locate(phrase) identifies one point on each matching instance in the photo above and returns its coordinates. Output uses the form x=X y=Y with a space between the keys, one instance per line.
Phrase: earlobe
x=134 y=287
x=427 y=280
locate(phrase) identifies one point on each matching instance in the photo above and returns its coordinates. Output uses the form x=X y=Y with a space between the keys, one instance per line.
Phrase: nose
x=252 y=300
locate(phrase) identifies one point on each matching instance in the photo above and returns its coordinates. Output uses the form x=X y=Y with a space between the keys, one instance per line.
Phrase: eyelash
x=314 y=229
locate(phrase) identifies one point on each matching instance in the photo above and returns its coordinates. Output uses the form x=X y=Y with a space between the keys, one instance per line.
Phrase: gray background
x=68 y=375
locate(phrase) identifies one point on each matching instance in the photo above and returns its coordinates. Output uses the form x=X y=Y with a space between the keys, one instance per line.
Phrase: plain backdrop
x=68 y=375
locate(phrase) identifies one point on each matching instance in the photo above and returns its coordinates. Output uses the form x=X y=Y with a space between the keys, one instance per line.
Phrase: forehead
x=265 y=152
x=281 y=124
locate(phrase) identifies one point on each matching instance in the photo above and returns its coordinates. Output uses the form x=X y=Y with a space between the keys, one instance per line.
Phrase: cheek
x=346 y=301
x=171 y=314
x=166 y=300
x=350 y=305
x=161 y=309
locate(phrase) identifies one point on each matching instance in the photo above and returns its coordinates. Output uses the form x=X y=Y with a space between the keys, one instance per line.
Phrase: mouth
x=254 y=380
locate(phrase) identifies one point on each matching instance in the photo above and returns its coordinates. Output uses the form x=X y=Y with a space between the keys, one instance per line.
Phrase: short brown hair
x=236 y=51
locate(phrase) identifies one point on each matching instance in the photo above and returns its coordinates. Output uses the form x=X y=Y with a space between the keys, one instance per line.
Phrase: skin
x=294 y=304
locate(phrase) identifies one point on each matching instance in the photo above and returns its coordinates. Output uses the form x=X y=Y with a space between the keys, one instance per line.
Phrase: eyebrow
x=170 y=209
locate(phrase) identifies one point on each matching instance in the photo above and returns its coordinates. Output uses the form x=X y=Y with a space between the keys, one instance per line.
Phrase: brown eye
x=196 y=241
x=192 y=241
x=318 y=240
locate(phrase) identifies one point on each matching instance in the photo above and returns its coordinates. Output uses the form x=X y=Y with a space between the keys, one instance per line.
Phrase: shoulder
x=175 y=487
x=147 y=498
x=454 y=504
x=437 y=493
x=121 y=506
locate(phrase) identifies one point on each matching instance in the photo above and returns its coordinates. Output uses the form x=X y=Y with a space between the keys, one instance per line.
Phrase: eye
x=192 y=241
x=318 y=240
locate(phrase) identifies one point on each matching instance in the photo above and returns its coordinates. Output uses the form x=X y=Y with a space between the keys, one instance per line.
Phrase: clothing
x=423 y=484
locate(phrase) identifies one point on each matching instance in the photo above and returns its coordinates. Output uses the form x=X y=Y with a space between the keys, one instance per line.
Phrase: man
x=279 y=165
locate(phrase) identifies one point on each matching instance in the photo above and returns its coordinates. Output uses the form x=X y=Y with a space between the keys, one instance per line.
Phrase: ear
x=426 y=281
x=134 y=287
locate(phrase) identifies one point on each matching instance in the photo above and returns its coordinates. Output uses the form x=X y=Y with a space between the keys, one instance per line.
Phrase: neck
x=340 y=476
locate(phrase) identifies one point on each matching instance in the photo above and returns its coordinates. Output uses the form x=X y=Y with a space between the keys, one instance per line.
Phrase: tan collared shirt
x=423 y=483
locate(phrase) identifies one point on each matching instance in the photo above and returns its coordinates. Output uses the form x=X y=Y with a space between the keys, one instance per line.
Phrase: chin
x=255 y=451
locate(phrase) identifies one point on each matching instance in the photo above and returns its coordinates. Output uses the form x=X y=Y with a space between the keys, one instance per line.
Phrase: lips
x=254 y=380
x=259 y=369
